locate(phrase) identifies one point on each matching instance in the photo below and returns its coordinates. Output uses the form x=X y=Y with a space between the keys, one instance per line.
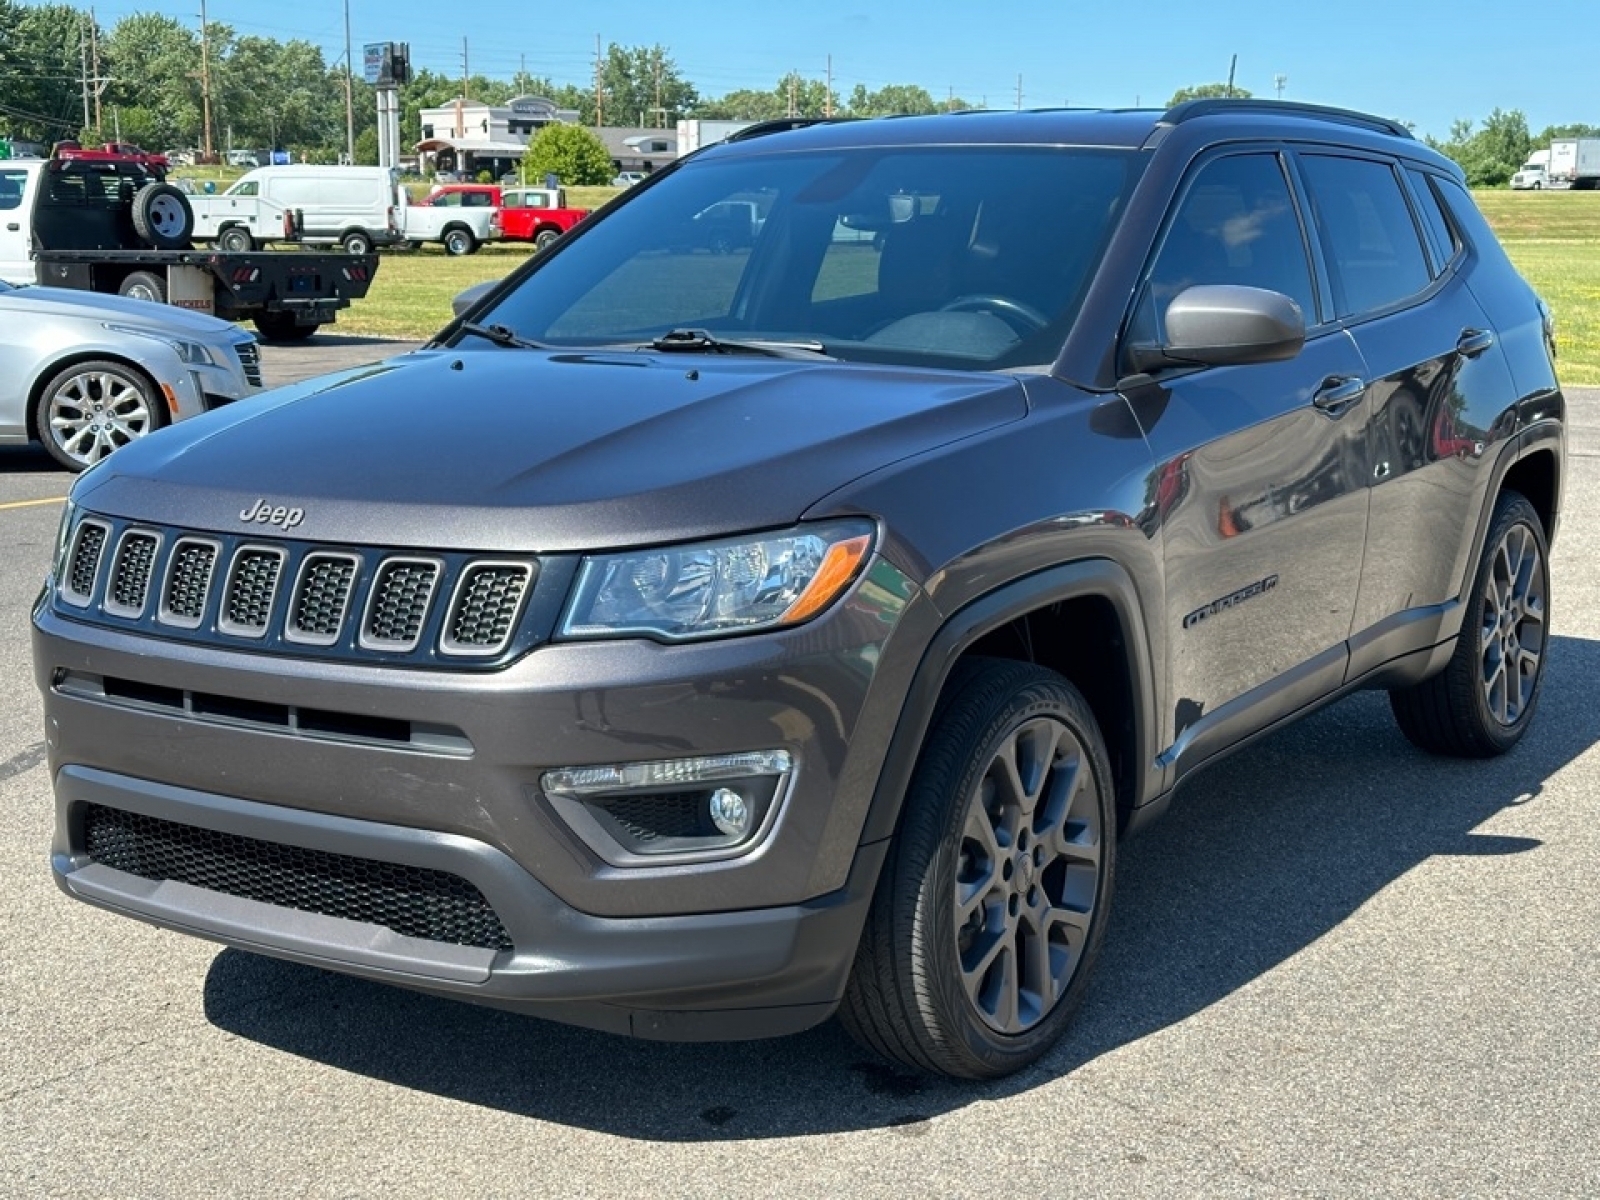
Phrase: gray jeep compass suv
x=696 y=639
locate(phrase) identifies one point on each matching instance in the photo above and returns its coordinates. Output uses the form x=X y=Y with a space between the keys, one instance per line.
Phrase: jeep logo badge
x=266 y=514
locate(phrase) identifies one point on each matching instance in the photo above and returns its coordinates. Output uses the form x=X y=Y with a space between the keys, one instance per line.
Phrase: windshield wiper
x=698 y=341
x=500 y=336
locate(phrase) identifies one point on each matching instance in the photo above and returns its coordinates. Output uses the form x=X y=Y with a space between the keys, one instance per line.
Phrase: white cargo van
x=357 y=207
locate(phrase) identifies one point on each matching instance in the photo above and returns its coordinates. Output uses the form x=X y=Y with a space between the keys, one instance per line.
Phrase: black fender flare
x=1097 y=578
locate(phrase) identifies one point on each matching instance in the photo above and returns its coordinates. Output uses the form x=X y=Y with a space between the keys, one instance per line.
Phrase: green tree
x=1207 y=91
x=897 y=99
x=1491 y=155
x=642 y=85
x=40 y=93
x=154 y=62
x=570 y=152
x=1551 y=132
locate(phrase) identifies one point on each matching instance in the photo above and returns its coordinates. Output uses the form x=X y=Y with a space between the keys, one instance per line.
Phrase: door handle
x=1339 y=392
x=1474 y=342
x=14 y=227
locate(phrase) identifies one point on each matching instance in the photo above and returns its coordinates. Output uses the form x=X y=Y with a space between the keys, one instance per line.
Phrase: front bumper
x=711 y=976
x=176 y=731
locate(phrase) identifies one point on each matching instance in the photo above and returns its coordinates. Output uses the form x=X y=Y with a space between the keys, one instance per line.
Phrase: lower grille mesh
x=412 y=901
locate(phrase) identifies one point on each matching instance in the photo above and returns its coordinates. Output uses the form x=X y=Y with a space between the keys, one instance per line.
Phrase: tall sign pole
x=349 y=91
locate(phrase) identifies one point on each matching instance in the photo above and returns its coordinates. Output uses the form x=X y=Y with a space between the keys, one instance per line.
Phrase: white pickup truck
x=458 y=230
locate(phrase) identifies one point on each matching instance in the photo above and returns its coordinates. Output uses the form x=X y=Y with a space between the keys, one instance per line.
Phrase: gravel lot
x=1338 y=968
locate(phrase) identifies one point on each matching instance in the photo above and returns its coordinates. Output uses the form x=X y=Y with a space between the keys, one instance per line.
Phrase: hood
x=92 y=306
x=544 y=452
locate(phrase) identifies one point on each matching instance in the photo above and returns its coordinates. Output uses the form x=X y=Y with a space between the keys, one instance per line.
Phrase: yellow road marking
x=31 y=503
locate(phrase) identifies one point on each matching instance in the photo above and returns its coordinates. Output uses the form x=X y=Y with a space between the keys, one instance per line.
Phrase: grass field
x=1553 y=237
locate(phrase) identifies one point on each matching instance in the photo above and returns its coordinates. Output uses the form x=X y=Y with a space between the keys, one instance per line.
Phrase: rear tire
x=144 y=285
x=357 y=242
x=91 y=409
x=992 y=906
x=545 y=239
x=162 y=217
x=282 y=327
x=1481 y=704
x=236 y=240
x=459 y=242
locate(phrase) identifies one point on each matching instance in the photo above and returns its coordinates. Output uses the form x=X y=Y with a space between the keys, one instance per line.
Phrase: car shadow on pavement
x=1260 y=856
x=18 y=460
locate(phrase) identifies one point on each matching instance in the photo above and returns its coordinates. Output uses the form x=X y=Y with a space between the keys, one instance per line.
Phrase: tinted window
x=1235 y=224
x=11 y=185
x=960 y=255
x=1440 y=236
x=1371 y=242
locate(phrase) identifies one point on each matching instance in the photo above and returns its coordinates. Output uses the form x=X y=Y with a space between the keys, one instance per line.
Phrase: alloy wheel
x=1512 y=631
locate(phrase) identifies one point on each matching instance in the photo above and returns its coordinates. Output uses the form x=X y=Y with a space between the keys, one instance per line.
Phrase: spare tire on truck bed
x=162 y=217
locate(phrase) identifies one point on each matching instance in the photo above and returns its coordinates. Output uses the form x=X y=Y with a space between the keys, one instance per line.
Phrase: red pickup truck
x=156 y=164
x=527 y=214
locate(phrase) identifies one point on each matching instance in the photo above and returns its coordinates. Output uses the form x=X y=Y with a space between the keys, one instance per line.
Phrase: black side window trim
x=1417 y=176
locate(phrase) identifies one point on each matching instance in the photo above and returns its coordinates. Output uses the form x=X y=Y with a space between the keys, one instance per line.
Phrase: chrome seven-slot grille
x=250 y=359
x=293 y=597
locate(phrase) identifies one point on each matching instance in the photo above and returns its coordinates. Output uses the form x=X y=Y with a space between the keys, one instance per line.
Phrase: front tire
x=993 y=903
x=93 y=408
x=1482 y=703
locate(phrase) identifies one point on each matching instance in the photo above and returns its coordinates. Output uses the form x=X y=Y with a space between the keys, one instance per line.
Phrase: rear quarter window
x=1374 y=251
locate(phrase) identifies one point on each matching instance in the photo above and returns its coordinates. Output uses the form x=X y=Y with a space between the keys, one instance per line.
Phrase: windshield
x=958 y=256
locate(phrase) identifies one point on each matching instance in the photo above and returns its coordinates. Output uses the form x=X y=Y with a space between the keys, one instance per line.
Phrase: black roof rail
x=1190 y=109
x=779 y=125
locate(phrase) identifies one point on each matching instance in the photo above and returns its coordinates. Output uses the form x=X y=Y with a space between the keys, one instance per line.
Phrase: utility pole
x=349 y=92
x=1278 y=83
x=205 y=83
x=660 y=113
x=461 y=117
x=827 y=97
x=1019 y=92
x=83 y=60
x=1232 y=67
x=94 y=60
x=794 y=77
x=599 y=116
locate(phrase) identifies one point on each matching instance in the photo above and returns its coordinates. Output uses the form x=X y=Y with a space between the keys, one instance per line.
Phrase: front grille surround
x=251 y=592
x=249 y=361
x=82 y=571
x=186 y=587
x=132 y=569
x=458 y=610
x=485 y=608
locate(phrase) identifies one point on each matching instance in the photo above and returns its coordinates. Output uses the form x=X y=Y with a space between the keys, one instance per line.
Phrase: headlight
x=736 y=586
x=63 y=537
x=193 y=353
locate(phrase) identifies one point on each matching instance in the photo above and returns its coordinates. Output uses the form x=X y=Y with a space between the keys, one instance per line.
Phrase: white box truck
x=1574 y=163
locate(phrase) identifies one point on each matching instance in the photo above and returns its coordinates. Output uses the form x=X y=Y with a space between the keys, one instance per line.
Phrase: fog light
x=729 y=812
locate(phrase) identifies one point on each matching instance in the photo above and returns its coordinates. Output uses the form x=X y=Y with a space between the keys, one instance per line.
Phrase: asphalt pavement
x=1338 y=968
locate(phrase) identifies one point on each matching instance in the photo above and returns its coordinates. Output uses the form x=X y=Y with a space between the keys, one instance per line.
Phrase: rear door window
x=1372 y=244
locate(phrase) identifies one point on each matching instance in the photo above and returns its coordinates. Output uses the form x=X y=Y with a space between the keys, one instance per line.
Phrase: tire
x=281 y=327
x=1537 y=186
x=1032 y=867
x=545 y=239
x=1482 y=703
x=236 y=239
x=162 y=217
x=357 y=241
x=90 y=409
x=144 y=285
x=459 y=242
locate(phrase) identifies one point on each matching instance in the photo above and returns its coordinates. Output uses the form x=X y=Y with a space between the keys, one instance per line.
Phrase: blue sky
x=1425 y=61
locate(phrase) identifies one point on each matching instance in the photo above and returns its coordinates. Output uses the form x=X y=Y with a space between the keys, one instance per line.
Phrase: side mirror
x=1226 y=325
x=467 y=299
